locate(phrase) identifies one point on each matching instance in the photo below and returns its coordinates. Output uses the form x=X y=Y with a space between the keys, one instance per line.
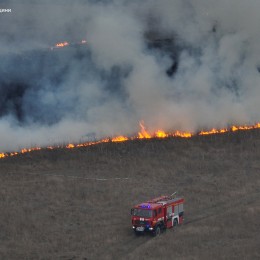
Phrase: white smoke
x=121 y=80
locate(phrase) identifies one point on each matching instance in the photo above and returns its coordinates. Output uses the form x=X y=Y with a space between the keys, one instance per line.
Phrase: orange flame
x=143 y=134
x=119 y=139
x=182 y=134
x=236 y=128
x=65 y=43
x=29 y=150
x=213 y=131
x=161 y=134
x=70 y=146
x=61 y=44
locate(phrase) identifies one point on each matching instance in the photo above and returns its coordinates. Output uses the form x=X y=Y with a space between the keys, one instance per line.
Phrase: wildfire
x=161 y=134
x=70 y=146
x=215 y=131
x=182 y=134
x=143 y=134
x=65 y=44
x=119 y=139
x=236 y=128
x=61 y=44
x=29 y=150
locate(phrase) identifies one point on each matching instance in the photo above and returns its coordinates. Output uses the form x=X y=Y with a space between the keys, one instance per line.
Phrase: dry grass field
x=75 y=204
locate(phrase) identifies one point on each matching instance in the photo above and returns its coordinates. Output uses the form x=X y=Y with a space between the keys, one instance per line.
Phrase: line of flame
x=143 y=134
x=64 y=44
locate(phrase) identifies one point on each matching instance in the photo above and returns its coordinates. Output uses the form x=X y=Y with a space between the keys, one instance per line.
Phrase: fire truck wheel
x=175 y=222
x=157 y=231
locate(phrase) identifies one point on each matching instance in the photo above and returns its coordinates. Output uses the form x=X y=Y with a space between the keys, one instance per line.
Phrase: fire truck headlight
x=133 y=227
x=150 y=228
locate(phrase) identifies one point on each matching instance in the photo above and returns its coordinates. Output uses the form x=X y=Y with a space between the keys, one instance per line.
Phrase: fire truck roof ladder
x=173 y=195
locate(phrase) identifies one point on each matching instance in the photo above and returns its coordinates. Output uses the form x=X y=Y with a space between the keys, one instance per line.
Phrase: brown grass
x=52 y=208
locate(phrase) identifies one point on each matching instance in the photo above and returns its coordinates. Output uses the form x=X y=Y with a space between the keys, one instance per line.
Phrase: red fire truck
x=157 y=214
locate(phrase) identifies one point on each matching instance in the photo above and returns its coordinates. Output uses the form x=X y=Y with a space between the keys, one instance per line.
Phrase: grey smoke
x=121 y=76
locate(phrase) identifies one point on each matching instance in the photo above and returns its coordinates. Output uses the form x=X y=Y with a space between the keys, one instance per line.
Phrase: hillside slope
x=75 y=204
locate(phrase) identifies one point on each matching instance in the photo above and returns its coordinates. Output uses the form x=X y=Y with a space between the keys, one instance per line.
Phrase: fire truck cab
x=157 y=214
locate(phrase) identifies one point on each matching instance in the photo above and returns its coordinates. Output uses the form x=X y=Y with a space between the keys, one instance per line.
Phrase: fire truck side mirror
x=132 y=211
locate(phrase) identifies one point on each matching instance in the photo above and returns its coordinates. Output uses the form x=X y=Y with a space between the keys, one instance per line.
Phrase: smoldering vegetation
x=75 y=204
x=186 y=65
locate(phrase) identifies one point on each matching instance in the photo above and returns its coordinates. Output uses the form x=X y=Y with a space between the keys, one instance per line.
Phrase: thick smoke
x=176 y=64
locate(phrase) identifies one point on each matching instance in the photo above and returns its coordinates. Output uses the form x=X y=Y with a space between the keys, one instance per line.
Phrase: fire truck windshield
x=145 y=213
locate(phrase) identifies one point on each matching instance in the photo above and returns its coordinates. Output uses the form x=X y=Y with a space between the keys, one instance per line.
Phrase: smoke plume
x=176 y=64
